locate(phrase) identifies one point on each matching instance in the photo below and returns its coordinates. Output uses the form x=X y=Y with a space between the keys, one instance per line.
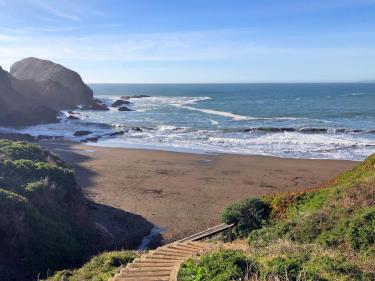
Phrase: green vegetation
x=44 y=223
x=223 y=265
x=321 y=234
x=100 y=268
x=247 y=215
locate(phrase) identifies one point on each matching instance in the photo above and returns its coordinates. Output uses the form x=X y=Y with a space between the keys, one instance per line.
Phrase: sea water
x=326 y=121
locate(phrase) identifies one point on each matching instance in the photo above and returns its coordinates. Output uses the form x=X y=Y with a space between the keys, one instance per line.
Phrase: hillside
x=44 y=222
x=324 y=234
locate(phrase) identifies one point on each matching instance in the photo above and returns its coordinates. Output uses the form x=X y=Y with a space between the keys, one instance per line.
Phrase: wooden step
x=161 y=278
x=163 y=257
x=167 y=253
x=149 y=268
x=151 y=264
x=187 y=247
x=146 y=273
x=177 y=250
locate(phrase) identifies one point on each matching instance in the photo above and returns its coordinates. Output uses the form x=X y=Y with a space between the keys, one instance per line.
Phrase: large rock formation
x=17 y=109
x=71 y=87
x=35 y=90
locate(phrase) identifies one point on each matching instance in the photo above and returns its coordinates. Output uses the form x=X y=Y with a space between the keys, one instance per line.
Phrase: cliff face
x=68 y=83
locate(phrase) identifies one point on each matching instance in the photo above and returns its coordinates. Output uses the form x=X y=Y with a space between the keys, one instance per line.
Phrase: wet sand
x=185 y=193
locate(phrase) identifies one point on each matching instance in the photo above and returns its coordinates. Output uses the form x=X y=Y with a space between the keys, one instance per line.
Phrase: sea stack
x=39 y=70
x=35 y=90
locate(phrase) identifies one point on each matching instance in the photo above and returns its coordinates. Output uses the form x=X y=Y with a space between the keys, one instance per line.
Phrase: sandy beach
x=180 y=192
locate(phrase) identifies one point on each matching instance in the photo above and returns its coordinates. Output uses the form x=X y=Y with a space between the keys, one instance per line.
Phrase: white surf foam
x=236 y=117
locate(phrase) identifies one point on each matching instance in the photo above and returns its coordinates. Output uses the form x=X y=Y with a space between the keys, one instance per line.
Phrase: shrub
x=247 y=215
x=15 y=174
x=99 y=268
x=10 y=150
x=284 y=268
x=361 y=231
x=334 y=268
x=223 y=265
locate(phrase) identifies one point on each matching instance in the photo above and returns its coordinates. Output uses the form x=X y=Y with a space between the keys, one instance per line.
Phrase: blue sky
x=195 y=40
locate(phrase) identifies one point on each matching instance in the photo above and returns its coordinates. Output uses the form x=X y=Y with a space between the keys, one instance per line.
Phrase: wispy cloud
x=55 y=11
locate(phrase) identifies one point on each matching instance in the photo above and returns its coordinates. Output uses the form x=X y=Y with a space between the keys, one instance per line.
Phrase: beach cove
x=184 y=193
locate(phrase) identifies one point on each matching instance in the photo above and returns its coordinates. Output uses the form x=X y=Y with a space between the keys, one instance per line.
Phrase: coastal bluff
x=35 y=90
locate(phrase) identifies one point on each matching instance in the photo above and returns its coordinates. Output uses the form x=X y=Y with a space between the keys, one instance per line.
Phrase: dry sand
x=185 y=193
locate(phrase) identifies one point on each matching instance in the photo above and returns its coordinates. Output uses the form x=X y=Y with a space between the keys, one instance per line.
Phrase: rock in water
x=118 y=103
x=72 y=117
x=82 y=133
x=124 y=108
x=76 y=91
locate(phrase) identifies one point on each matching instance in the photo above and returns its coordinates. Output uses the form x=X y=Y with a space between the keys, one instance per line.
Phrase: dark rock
x=82 y=133
x=124 y=108
x=93 y=139
x=16 y=136
x=72 y=117
x=120 y=102
x=45 y=137
x=120 y=133
x=134 y=97
x=137 y=129
x=31 y=115
x=96 y=105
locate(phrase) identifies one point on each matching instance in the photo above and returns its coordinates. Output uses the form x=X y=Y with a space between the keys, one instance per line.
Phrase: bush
x=247 y=215
x=218 y=266
x=15 y=174
x=334 y=268
x=361 y=231
x=285 y=269
x=100 y=268
x=10 y=150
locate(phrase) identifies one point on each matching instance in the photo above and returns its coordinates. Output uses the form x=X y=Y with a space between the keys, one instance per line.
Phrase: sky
x=195 y=41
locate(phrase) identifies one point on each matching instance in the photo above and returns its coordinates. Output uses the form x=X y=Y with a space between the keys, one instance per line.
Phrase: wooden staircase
x=163 y=263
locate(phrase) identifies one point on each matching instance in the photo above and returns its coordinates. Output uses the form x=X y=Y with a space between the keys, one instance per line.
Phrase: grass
x=100 y=268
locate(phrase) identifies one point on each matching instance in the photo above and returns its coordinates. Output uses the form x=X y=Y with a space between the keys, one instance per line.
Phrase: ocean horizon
x=290 y=120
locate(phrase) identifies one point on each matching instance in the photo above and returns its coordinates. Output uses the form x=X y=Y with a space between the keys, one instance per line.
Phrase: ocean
x=322 y=121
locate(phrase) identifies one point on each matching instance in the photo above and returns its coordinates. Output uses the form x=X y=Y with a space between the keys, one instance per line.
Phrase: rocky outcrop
x=118 y=103
x=35 y=90
x=74 y=89
x=124 y=108
x=95 y=105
